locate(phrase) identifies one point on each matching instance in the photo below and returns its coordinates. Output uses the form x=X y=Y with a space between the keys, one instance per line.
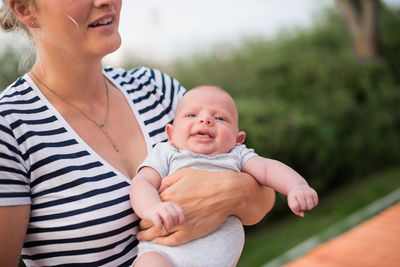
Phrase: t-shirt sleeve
x=170 y=87
x=14 y=178
x=245 y=154
x=158 y=159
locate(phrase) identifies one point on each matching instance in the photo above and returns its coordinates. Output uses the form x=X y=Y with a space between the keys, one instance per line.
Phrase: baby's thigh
x=219 y=248
x=152 y=259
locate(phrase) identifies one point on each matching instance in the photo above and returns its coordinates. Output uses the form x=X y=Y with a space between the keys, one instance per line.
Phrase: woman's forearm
x=257 y=200
x=13 y=224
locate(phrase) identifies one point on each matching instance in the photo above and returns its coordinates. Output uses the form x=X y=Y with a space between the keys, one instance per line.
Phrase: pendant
x=102 y=125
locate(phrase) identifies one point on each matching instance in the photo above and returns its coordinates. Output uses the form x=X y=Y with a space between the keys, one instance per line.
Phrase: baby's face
x=206 y=122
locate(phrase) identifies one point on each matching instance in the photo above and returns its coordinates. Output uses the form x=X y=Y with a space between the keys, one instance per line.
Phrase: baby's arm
x=146 y=201
x=285 y=180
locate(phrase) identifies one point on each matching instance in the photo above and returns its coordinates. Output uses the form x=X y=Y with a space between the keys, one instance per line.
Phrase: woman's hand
x=207 y=199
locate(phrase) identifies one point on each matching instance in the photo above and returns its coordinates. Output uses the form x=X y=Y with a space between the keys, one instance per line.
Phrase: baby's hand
x=302 y=198
x=164 y=214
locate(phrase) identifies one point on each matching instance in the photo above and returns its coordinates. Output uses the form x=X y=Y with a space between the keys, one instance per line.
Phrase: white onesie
x=223 y=246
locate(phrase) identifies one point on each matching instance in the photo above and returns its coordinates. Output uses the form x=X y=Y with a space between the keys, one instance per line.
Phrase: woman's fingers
x=147 y=234
x=174 y=239
x=145 y=224
x=181 y=216
x=170 y=180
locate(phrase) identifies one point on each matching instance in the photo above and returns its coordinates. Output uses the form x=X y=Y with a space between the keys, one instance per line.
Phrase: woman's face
x=82 y=27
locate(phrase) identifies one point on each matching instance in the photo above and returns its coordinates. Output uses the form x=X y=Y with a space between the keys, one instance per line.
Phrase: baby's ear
x=240 y=138
x=169 y=129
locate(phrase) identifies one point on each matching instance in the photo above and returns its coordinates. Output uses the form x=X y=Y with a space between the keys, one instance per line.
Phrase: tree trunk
x=362 y=21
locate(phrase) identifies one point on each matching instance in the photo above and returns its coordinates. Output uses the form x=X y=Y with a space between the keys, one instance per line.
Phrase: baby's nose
x=207 y=121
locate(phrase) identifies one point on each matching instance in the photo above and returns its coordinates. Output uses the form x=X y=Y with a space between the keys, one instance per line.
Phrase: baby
x=205 y=135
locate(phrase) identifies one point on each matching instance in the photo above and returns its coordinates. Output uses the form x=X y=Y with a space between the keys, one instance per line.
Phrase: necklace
x=101 y=125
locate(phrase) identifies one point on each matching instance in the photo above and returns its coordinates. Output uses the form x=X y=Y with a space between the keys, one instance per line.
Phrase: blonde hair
x=8 y=20
x=10 y=23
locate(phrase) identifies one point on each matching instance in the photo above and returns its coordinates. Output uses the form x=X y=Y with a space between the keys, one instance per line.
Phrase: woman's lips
x=101 y=22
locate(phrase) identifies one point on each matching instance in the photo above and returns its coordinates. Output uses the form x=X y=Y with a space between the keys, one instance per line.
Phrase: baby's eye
x=219 y=118
x=190 y=115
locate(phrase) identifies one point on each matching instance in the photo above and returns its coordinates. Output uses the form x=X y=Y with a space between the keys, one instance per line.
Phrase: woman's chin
x=115 y=45
x=108 y=47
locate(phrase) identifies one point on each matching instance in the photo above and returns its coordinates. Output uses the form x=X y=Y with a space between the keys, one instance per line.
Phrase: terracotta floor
x=374 y=243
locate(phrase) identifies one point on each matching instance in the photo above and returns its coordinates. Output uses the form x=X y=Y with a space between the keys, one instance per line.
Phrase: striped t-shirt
x=80 y=208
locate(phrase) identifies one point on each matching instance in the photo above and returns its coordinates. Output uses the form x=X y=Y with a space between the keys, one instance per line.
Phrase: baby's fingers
x=312 y=202
x=157 y=221
x=171 y=215
x=302 y=202
x=311 y=199
x=315 y=199
x=295 y=206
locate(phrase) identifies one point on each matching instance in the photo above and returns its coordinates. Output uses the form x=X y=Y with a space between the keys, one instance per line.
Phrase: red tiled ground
x=374 y=243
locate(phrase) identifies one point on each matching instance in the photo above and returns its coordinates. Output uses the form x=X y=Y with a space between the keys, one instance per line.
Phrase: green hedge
x=306 y=100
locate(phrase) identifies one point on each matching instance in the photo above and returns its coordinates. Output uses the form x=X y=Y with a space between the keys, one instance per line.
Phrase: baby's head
x=206 y=122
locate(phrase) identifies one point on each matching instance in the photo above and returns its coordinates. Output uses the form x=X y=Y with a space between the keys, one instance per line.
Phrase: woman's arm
x=258 y=200
x=13 y=225
x=207 y=199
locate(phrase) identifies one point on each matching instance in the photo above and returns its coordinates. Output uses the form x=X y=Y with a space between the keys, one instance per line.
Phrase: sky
x=162 y=30
x=166 y=29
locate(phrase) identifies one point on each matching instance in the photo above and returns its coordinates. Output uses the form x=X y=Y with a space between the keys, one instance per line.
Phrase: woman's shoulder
x=139 y=74
x=18 y=88
x=143 y=78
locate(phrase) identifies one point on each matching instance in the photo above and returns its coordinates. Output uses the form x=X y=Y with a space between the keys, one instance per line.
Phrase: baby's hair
x=214 y=88
x=208 y=86
x=211 y=87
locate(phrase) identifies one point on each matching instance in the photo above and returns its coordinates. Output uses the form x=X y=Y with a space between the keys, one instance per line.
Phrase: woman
x=72 y=135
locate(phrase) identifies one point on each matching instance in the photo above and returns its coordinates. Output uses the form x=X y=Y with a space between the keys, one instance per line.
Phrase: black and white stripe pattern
x=80 y=209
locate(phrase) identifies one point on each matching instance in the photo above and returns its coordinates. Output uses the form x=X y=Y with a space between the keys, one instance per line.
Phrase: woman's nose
x=100 y=3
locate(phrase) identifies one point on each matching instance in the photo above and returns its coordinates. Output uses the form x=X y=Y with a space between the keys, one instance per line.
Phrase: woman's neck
x=75 y=80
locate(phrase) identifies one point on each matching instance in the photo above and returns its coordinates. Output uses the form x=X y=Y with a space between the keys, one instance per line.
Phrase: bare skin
x=12 y=232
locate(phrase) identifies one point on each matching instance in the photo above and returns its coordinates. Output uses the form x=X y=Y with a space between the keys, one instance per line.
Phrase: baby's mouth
x=203 y=134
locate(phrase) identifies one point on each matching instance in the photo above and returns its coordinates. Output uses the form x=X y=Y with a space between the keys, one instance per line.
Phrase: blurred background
x=317 y=84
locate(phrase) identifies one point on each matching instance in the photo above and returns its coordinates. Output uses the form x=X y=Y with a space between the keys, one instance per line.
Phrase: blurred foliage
x=9 y=62
x=306 y=100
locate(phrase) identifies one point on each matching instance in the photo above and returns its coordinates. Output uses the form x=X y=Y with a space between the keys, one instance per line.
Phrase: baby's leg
x=152 y=259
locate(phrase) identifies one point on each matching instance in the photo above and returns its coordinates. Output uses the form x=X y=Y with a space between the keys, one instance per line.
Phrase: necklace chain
x=101 y=125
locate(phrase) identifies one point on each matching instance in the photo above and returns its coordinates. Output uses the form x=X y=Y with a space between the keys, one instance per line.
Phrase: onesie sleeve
x=158 y=159
x=14 y=178
x=245 y=154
